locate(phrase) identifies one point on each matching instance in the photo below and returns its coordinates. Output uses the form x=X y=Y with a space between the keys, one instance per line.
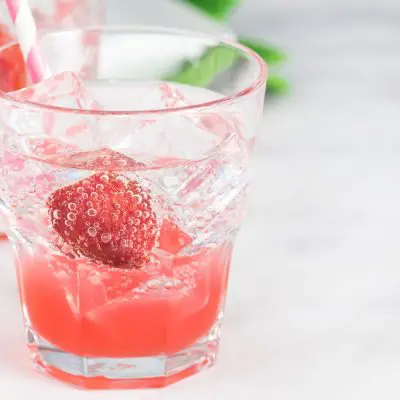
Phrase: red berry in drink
x=107 y=218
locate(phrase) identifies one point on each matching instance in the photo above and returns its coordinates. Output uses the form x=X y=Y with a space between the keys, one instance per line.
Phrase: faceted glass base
x=123 y=373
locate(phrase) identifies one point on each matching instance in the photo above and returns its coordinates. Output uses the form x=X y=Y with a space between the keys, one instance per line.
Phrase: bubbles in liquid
x=94 y=195
x=91 y=212
x=92 y=231
x=99 y=186
x=84 y=196
x=106 y=237
x=71 y=216
x=104 y=178
x=137 y=199
x=72 y=206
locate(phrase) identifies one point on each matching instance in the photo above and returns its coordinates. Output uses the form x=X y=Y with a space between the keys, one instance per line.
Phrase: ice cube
x=85 y=132
x=104 y=159
x=169 y=135
x=144 y=138
x=174 y=136
x=164 y=95
x=206 y=197
x=222 y=122
x=65 y=90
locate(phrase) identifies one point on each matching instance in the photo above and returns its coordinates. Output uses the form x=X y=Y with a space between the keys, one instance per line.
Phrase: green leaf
x=218 y=9
x=271 y=55
x=214 y=61
x=203 y=71
x=277 y=85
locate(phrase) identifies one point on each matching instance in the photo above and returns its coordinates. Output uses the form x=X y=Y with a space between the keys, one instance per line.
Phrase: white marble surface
x=314 y=304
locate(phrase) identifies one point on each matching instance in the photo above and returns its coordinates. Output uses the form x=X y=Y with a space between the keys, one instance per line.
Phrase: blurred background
x=314 y=304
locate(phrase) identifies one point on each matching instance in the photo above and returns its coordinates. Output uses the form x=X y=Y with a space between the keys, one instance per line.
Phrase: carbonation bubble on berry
x=71 y=216
x=137 y=199
x=92 y=212
x=107 y=217
x=72 y=206
x=106 y=237
x=92 y=231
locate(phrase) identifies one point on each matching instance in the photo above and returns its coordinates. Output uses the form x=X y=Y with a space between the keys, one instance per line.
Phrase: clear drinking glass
x=123 y=194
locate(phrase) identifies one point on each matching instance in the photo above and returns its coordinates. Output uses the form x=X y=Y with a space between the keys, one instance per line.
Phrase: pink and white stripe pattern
x=25 y=29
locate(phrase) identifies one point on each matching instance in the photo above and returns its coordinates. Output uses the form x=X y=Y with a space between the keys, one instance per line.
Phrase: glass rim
x=256 y=84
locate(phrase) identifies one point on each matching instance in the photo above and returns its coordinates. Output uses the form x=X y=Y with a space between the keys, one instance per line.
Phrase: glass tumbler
x=123 y=192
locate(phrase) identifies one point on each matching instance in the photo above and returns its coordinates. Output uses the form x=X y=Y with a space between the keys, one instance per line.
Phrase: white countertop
x=314 y=302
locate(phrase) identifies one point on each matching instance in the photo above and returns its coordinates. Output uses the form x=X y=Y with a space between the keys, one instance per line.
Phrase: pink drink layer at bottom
x=90 y=310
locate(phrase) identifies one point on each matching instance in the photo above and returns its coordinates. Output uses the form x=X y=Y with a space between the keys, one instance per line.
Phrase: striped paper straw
x=26 y=32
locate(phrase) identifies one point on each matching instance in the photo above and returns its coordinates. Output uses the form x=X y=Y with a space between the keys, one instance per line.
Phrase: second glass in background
x=50 y=14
